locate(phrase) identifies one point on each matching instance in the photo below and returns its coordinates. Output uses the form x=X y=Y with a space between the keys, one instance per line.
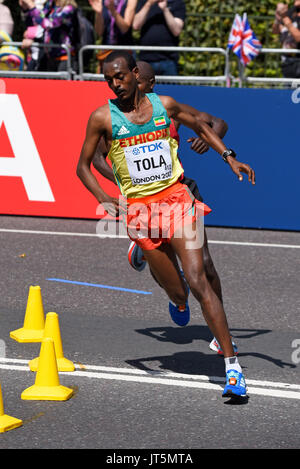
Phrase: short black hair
x=116 y=54
x=146 y=70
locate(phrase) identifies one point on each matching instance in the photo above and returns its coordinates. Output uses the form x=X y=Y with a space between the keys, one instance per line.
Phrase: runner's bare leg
x=165 y=269
x=210 y=270
x=163 y=263
x=192 y=262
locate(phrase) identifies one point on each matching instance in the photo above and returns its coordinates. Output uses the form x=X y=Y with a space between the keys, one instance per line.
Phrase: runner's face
x=120 y=79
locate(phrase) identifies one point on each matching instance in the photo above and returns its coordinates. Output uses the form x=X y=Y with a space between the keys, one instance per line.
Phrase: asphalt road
x=140 y=381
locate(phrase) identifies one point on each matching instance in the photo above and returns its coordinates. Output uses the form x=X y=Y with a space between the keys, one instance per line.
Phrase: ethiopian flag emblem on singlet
x=159 y=121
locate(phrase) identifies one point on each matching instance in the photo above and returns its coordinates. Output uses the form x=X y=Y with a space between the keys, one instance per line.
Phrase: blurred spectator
x=57 y=19
x=11 y=58
x=287 y=25
x=33 y=34
x=160 y=23
x=113 y=23
x=6 y=21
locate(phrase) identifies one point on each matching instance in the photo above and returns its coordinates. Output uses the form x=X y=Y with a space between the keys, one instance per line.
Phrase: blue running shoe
x=180 y=314
x=235 y=384
x=135 y=257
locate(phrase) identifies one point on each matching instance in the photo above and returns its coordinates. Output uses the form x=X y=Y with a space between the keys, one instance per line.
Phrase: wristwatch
x=227 y=153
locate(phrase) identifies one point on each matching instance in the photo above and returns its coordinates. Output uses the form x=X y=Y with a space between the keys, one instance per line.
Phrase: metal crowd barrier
x=225 y=78
x=269 y=80
x=67 y=75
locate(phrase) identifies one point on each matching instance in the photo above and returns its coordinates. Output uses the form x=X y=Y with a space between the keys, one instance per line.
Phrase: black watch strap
x=227 y=153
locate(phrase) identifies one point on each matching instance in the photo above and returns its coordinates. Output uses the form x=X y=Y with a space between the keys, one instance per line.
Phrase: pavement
x=140 y=381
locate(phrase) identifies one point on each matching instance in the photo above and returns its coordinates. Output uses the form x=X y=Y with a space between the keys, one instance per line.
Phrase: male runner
x=151 y=182
x=146 y=83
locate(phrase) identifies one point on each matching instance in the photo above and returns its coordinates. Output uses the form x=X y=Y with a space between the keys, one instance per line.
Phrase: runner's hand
x=198 y=145
x=238 y=168
x=114 y=206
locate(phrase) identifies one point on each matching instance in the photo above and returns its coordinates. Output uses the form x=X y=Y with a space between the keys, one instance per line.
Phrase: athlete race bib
x=149 y=162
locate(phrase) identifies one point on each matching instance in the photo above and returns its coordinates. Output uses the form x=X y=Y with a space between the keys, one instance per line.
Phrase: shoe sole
x=130 y=257
x=229 y=393
x=180 y=324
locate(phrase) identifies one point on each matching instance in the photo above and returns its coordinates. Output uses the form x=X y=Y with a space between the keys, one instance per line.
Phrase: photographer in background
x=287 y=25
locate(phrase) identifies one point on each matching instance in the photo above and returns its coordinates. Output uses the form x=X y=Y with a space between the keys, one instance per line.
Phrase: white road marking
x=262 y=388
x=113 y=236
x=268 y=245
x=62 y=233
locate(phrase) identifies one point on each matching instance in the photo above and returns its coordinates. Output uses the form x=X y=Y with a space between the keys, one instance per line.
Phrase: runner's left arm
x=216 y=123
x=203 y=130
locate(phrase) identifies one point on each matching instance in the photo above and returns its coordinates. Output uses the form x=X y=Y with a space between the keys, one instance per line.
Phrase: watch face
x=227 y=153
x=231 y=153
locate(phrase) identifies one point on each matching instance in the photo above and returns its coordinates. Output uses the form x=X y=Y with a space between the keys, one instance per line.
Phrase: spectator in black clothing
x=160 y=23
x=287 y=25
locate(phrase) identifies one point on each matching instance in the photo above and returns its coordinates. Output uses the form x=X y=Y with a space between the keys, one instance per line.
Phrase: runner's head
x=121 y=73
x=146 y=77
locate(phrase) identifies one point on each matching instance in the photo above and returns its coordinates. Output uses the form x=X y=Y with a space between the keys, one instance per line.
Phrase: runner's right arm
x=97 y=127
x=100 y=163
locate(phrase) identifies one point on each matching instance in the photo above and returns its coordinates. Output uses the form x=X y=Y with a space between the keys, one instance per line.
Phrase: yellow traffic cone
x=6 y=421
x=34 y=322
x=52 y=330
x=47 y=386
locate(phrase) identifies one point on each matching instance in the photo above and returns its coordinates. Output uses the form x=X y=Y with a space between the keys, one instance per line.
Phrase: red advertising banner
x=42 y=129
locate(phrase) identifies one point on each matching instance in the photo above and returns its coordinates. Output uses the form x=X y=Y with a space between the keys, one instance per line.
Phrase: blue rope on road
x=109 y=287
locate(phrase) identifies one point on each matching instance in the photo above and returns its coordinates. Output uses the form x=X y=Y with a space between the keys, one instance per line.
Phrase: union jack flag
x=242 y=40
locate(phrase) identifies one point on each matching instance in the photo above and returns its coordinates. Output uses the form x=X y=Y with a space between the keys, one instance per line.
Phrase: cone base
x=47 y=393
x=63 y=364
x=9 y=423
x=27 y=335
